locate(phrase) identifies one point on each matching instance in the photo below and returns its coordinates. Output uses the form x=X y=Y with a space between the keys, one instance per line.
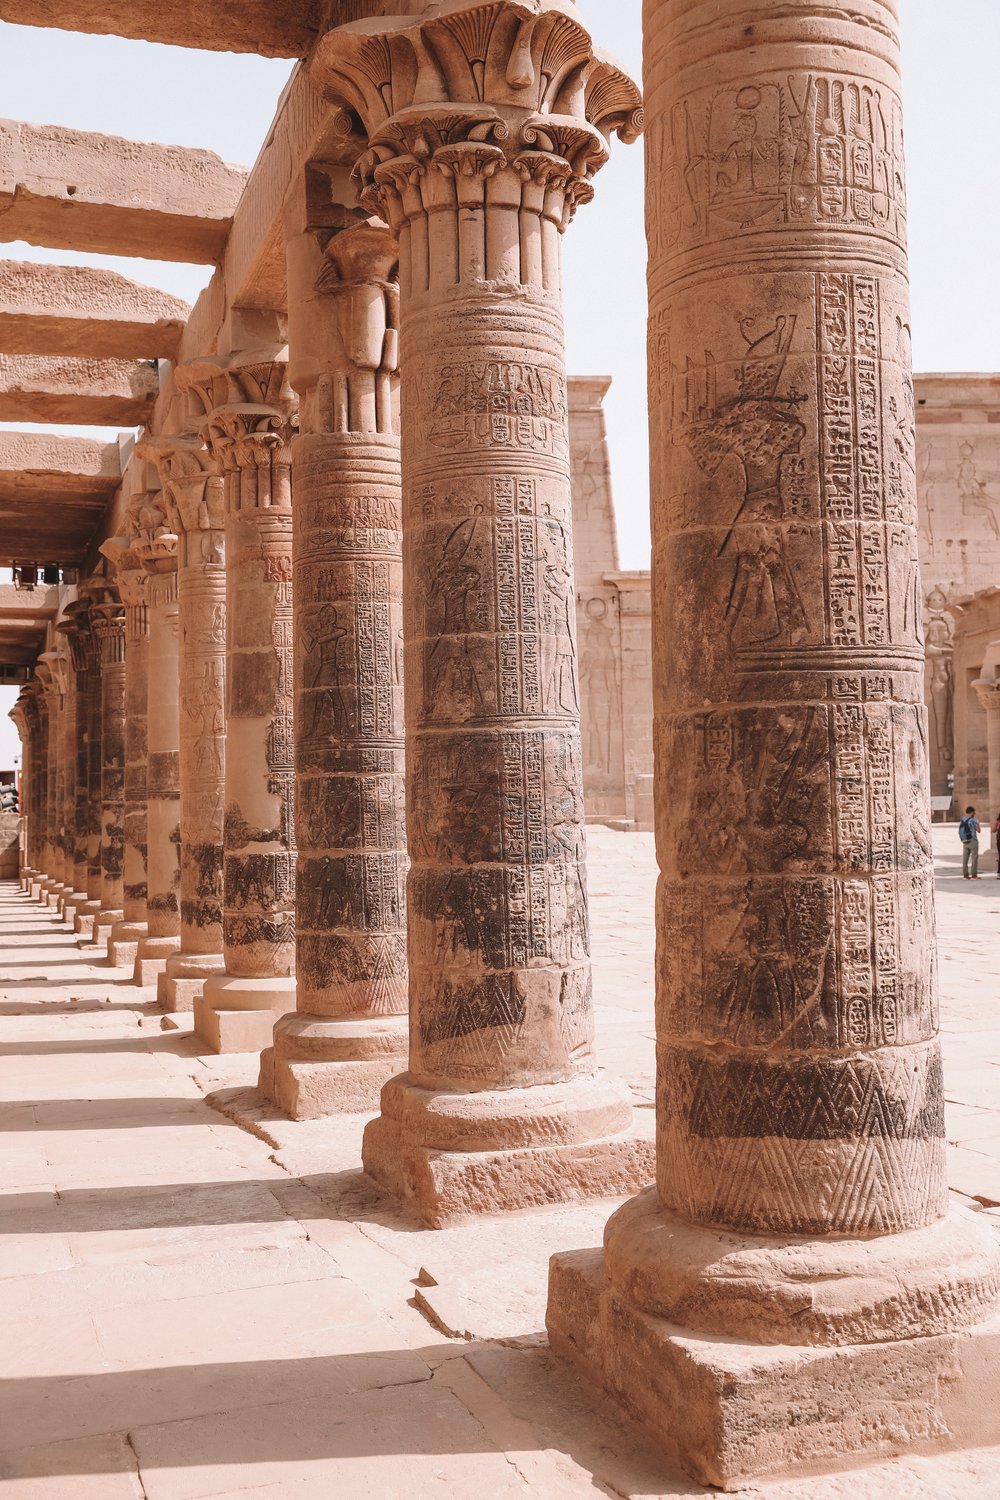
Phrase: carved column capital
x=193 y=494
x=467 y=95
x=108 y=623
x=75 y=627
x=988 y=693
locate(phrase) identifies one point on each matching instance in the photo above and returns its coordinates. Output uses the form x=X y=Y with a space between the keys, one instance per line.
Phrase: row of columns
x=800 y=1143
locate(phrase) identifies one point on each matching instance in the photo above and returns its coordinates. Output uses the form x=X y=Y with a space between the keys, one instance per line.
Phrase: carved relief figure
x=976 y=498
x=560 y=687
x=451 y=594
x=599 y=665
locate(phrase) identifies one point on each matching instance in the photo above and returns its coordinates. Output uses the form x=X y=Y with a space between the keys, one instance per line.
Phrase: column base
x=72 y=905
x=183 y=980
x=151 y=958
x=105 y=919
x=450 y=1156
x=318 y=1066
x=234 y=1014
x=123 y=943
x=747 y=1358
x=83 y=922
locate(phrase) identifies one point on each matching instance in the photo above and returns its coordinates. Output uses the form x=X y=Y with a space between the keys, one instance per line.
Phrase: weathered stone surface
x=79 y=392
x=347 y=563
x=285 y=29
x=125 y=936
x=108 y=625
x=247 y=406
x=613 y=624
x=156 y=548
x=23 y=619
x=80 y=311
x=193 y=498
x=799 y=1088
x=958 y=470
x=53 y=494
x=72 y=189
x=500 y=985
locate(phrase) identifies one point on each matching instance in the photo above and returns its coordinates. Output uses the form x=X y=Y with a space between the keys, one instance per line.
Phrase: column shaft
x=159 y=555
x=248 y=431
x=109 y=627
x=125 y=936
x=348 y=1035
x=502 y=1105
x=800 y=1139
x=193 y=497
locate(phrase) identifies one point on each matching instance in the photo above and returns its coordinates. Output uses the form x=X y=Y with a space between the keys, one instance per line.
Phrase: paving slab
x=201 y=1298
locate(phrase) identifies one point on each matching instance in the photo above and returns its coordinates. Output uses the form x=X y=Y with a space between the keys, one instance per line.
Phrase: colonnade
x=318 y=556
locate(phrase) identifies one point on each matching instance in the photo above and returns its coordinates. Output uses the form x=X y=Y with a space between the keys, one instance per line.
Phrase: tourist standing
x=968 y=832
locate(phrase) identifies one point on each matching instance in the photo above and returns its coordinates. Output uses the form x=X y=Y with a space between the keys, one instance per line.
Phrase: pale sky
x=226 y=103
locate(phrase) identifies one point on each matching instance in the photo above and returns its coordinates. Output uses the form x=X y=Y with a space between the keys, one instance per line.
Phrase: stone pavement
x=191 y=1309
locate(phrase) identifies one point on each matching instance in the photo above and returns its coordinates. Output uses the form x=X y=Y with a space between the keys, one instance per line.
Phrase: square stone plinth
x=444 y=1187
x=314 y=1090
x=233 y=1030
x=733 y=1413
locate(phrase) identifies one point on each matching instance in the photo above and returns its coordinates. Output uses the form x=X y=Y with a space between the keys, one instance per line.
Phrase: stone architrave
x=795 y=1289
x=348 y=1035
x=493 y=133
x=130 y=577
x=193 y=498
x=156 y=547
x=75 y=626
x=108 y=623
x=248 y=428
x=83 y=921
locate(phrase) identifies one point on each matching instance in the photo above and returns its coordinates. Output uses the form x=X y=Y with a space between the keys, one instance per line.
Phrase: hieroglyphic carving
x=248 y=425
x=796 y=901
x=132 y=582
x=108 y=624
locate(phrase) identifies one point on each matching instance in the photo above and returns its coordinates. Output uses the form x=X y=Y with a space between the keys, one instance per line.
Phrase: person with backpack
x=996 y=841
x=968 y=832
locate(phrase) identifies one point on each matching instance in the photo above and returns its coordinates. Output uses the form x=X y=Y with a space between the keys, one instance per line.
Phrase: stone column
x=108 y=619
x=795 y=1289
x=50 y=702
x=503 y=1106
x=126 y=935
x=248 y=429
x=156 y=545
x=193 y=497
x=988 y=693
x=76 y=628
x=66 y=808
x=83 y=922
x=348 y=1035
x=25 y=716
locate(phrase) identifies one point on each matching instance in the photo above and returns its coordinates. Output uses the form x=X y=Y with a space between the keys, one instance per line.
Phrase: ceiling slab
x=270 y=28
x=54 y=492
x=24 y=616
x=79 y=392
x=71 y=189
x=79 y=311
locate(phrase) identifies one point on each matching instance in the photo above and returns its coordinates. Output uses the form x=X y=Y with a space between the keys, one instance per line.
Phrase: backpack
x=965 y=831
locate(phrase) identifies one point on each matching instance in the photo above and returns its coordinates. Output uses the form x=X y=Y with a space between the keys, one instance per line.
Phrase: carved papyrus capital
x=502 y=78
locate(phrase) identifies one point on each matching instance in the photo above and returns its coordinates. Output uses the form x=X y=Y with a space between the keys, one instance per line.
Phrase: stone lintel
x=281 y=28
x=72 y=189
x=54 y=492
x=957 y=396
x=80 y=392
x=80 y=311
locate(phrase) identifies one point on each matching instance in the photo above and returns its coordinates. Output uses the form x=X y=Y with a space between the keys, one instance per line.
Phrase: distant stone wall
x=9 y=855
x=614 y=626
x=958 y=494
